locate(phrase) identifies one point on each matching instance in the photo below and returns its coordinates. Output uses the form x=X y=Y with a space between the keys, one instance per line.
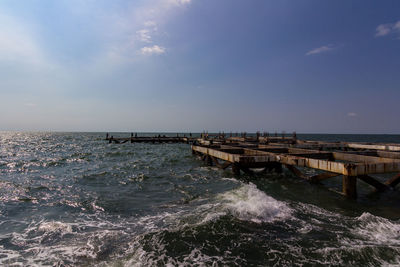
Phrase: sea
x=73 y=199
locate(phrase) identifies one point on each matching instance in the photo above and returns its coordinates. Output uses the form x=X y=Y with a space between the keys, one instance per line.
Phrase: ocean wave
x=251 y=204
x=378 y=230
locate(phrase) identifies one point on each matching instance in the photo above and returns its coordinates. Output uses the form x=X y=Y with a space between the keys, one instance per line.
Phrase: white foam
x=54 y=226
x=249 y=203
x=378 y=230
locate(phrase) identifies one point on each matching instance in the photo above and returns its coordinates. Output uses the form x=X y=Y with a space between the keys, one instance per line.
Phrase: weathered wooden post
x=107 y=136
x=278 y=167
x=131 y=137
x=236 y=168
x=350 y=186
x=209 y=160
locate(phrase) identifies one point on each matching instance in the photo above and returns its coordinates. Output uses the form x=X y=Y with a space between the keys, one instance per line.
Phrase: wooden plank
x=320 y=155
x=218 y=154
x=325 y=165
x=386 y=154
x=372 y=168
x=360 y=158
x=387 y=147
x=377 y=153
x=373 y=182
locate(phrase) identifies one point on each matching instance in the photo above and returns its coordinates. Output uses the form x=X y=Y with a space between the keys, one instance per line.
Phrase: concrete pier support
x=236 y=168
x=350 y=186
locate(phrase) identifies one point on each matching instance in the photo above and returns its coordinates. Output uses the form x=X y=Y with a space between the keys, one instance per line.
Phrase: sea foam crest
x=378 y=229
x=249 y=203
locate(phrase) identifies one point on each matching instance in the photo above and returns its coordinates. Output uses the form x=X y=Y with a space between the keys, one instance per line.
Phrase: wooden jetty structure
x=150 y=139
x=248 y=154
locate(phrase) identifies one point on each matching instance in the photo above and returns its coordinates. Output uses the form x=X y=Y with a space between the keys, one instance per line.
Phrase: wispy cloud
x=388 y=28
x=150 y=23
x=30 y=105
x=19 y=44
x=141 y=25
x=319 y=50
x=179 y=2
x=150 y=50
x=352 y=114
x=144 y=35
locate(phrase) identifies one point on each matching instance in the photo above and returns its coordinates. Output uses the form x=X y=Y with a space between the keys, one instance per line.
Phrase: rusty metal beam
x=393 y=181
x=323 y=176
x=226 y=165
x=373 y=182
x=296 y=172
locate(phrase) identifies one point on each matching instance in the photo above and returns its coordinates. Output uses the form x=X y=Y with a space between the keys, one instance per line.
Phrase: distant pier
x=242 y=153
x=150 y=139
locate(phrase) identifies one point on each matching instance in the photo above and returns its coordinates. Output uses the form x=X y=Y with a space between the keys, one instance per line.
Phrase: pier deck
x=353 y=161
x=351 y=165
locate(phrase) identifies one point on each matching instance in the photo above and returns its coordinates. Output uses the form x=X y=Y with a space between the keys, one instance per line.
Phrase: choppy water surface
x=73 y=199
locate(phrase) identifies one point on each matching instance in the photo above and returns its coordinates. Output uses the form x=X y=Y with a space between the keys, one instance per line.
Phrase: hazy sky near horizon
x=193 y=65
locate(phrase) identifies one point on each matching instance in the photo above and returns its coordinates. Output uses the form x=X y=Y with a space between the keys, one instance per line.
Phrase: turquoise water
x=72 y=199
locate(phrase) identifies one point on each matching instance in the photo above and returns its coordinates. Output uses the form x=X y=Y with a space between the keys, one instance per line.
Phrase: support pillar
x=350 y=186
x=277 y=167
x=236 y=168
x=209 y=160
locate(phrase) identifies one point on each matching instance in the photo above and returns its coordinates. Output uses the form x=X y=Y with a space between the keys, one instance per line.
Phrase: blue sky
x=193 y=65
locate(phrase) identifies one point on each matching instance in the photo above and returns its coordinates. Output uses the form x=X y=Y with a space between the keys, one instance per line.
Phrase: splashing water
x=70 y=199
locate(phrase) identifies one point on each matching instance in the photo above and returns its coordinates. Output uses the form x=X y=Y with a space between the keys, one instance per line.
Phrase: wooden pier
x=353 y=161
x=150 y=139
